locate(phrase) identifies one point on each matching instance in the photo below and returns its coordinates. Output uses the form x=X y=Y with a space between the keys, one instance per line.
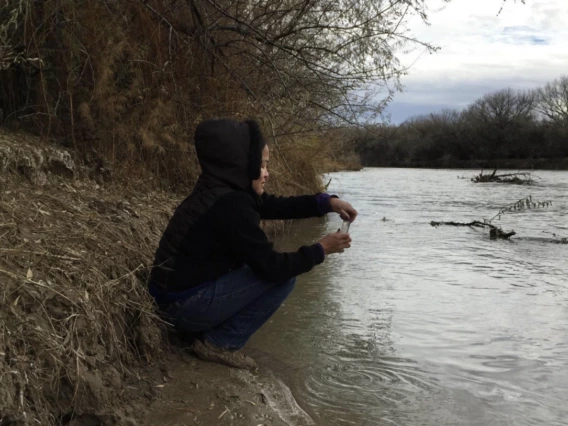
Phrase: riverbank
x=506 y=163
x=330 y=165
x=79 y=341
x=201 y=393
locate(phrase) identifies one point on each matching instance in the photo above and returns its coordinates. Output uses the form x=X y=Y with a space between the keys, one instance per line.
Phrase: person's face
x=258 y=184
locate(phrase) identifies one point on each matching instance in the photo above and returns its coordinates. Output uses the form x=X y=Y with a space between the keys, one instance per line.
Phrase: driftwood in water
x=519 y=178
x=497 y=232
x=494 y=231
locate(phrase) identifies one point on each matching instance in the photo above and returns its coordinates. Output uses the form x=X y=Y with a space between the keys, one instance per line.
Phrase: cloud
x=536 y=40
x=523 y=47
x=431 y=97
x=522 y=35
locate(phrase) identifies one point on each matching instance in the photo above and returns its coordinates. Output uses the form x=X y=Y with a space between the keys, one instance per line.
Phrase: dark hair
x=257 y=144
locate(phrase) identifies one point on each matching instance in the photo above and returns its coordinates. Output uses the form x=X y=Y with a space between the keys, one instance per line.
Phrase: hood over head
x=229 y=151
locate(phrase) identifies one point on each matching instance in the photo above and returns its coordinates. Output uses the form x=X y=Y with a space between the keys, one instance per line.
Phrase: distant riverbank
x=506 y=163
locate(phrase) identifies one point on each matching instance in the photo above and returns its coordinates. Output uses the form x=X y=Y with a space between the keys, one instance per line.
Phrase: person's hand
x=335 y=242
x=345 y=210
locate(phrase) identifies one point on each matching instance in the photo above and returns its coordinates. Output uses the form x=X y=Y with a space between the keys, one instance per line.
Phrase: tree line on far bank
x=506 y=128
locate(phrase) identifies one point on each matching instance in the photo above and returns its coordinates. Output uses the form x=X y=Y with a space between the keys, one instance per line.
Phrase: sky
x=523 y=47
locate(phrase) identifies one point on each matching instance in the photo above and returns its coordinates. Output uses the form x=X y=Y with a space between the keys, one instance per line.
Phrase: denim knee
x=290 y=283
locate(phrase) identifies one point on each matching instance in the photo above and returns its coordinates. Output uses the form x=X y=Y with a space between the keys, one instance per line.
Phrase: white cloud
x=522 y=48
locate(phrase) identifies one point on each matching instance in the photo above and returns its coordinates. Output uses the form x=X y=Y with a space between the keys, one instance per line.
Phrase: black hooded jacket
x=217 y=228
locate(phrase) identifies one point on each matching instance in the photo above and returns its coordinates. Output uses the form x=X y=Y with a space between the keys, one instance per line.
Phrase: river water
x=416 y=325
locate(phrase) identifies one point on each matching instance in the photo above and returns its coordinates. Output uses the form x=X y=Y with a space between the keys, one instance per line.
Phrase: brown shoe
x=206 y=351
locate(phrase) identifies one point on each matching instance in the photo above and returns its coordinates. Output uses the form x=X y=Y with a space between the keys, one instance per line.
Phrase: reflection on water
x=416 y=325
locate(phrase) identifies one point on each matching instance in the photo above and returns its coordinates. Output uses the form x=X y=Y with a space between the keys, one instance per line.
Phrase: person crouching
x=216 y=275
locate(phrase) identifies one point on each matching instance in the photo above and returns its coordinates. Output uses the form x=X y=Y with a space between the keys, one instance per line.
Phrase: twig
x=10 y=274
x=223 y=413
x=49 y=288
x=74 y=259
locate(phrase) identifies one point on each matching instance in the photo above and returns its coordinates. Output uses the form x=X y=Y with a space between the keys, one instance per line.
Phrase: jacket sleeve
x=298 y=207
x=249 y=244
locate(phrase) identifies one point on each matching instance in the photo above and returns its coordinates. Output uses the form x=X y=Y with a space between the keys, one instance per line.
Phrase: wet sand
x=193 y=392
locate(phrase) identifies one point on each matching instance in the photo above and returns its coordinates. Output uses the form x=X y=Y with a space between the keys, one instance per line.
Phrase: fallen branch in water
x=496 y=231
x=519 y=178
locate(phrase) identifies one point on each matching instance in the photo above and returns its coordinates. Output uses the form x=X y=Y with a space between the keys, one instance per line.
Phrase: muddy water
x=416 y=325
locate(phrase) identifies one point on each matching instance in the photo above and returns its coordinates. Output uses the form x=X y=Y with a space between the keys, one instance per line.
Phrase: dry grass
x=74 y=312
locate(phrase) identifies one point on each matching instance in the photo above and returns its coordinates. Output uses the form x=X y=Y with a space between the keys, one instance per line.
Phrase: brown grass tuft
x=75 y=315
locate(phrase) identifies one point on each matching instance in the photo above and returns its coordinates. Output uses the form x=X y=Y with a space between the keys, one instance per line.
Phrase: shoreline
x=560 y=164
x=203 y=393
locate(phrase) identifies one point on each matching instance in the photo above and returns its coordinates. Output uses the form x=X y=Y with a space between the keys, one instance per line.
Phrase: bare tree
x=552 y=101
x=498 y=120
x=321 y=60
x=503 y=107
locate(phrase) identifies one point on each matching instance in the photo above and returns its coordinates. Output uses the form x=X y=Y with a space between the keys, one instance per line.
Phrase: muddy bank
x=193 y=392
x=79 y=341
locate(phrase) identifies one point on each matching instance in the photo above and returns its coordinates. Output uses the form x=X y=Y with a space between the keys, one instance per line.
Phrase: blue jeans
x=229 y=310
